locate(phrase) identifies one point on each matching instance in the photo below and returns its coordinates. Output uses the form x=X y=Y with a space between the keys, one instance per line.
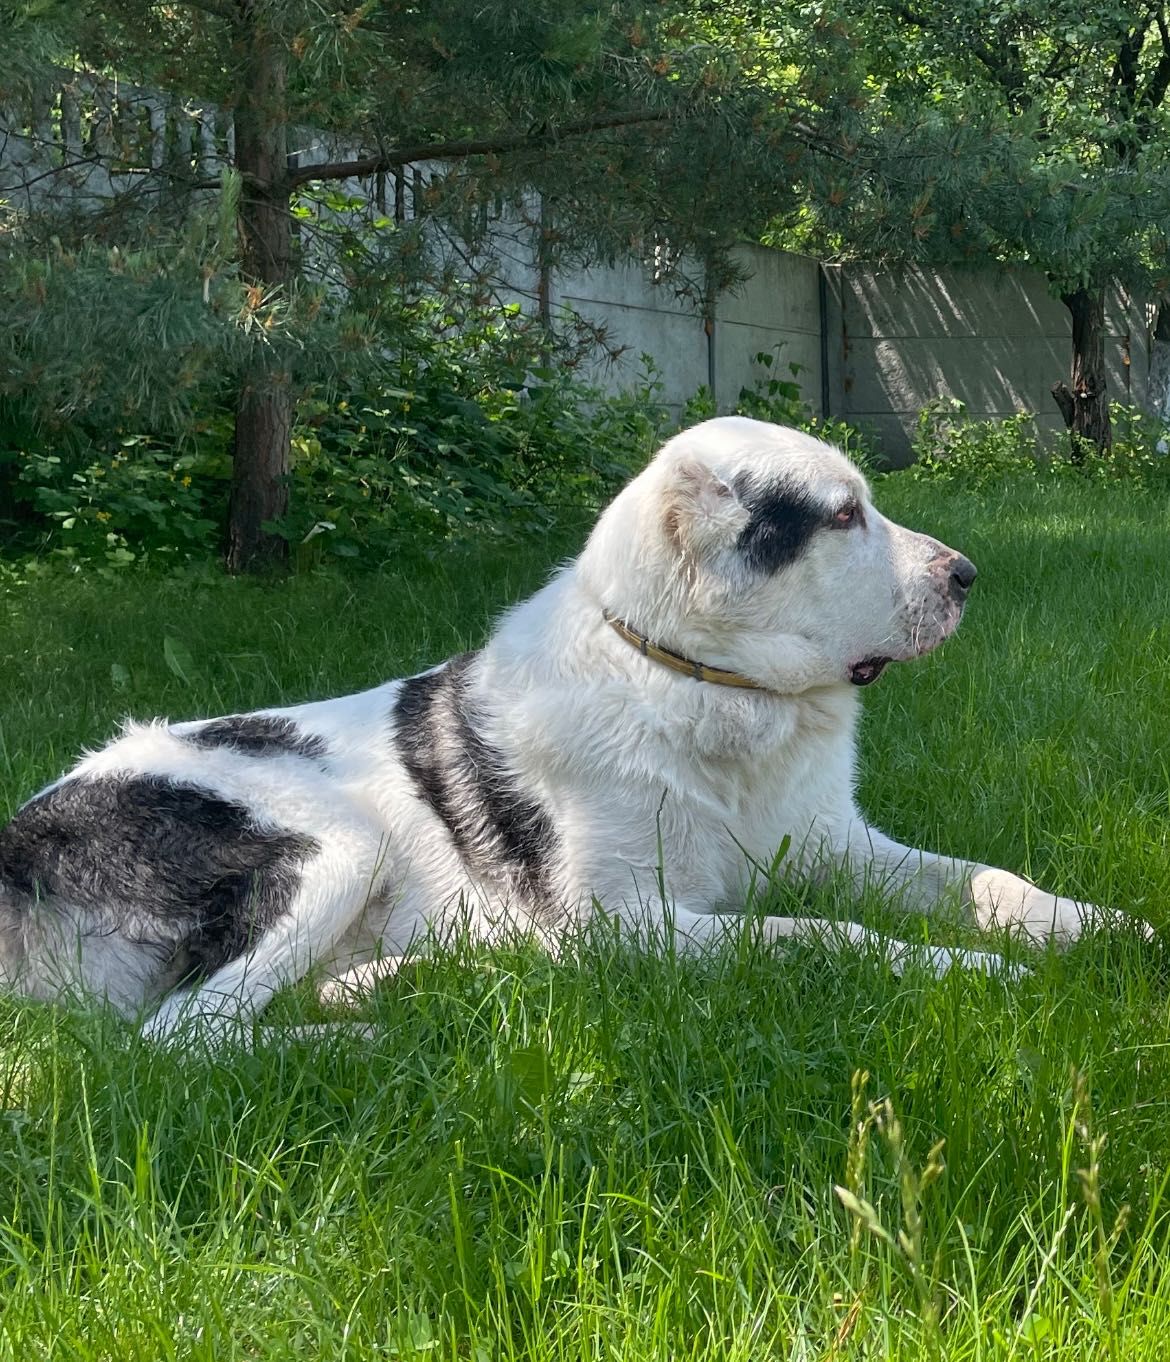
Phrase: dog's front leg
x=996 y=898
x=691 y=932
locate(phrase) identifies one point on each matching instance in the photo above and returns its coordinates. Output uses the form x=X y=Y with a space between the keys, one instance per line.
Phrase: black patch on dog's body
x=258 y=735
x=495 y=827
x=182 y=871
x=783 y=520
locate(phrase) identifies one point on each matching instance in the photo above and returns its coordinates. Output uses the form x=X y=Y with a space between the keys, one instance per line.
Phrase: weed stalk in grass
x=907 y=1241
x=1104 y=1241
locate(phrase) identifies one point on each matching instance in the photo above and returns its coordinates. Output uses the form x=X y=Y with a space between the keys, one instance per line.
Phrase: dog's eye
x=846 y=516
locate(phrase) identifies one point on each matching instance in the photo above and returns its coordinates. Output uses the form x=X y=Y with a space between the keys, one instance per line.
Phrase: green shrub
x=700 y=406
x=857 y=446
x=950 y=447
x=772 y=398
x=451 y=449
x=465 y=424
x=1139 y=451
x=779 y=400
x=108 y=505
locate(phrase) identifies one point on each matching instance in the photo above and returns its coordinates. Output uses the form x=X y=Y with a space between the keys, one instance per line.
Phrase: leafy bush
x=950 y=447
x=1141 y=444
x=465 y=423
x=772 y=398
x=779 y=400
x=108 y=504
x=451 y=448
x=857 y=446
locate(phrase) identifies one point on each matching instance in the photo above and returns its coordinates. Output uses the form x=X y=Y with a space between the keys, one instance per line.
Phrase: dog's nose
x=963 y=572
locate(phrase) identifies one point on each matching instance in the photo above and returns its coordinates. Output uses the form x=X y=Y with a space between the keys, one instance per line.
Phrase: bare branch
x=1159 y=82
x=223 y=12
x=1124 y=75
x=457 y=150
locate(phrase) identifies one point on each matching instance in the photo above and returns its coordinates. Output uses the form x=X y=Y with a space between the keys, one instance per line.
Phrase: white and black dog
x=638 y=738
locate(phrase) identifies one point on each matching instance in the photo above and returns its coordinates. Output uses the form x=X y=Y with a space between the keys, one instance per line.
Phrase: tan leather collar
x=697 y=671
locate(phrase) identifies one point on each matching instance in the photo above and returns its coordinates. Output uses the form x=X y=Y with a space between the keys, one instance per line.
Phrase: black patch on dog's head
x=500 y=832
x=258 y=735
x=184 y=873
x=783 y=520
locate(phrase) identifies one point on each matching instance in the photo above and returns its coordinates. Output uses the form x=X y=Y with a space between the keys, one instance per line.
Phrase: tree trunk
x=260 y=465
x=1158 y=388
x=1085 y=405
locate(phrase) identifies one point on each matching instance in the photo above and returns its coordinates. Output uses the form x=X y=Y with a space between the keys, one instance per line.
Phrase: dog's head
x=743 y=543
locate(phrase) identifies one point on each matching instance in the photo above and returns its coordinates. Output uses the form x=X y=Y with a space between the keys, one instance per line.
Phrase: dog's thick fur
x=194 y=868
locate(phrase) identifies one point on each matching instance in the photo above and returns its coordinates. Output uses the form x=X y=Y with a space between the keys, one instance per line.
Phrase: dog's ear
x=701 y=510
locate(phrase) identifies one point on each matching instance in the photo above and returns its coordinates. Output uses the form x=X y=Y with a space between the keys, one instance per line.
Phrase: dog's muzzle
x=954 y=576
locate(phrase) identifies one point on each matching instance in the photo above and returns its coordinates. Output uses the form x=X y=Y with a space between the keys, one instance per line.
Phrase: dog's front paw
x=940 y=960
x=187 y=1023
x=1097 y=919
x=943 y=959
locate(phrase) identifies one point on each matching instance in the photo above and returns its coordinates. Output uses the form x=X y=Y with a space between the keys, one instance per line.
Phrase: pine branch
x=457 y=150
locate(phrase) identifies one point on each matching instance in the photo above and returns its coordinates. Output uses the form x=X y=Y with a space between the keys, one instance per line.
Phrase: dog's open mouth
x=867 y=671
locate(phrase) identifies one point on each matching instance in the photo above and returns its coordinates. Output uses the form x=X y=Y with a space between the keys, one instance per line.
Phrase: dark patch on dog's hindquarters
x=179 y=871
x=783 y=520
x=258 y=735
x=11 y=939
x=499 y=832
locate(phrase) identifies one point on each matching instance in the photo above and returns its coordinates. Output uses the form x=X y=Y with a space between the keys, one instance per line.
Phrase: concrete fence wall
x=995 y=339
x=871 y=346
x=777 y=312
x=91 y=137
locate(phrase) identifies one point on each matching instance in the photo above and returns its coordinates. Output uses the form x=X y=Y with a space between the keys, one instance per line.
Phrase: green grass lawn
x=613 y=1157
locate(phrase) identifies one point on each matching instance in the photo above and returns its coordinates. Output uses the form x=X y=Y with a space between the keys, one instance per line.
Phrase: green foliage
x=478 y=432
x=460 y=417
x=856 y=444
x=772 y=398
x=465 y=422
x=779 y=400
x=700 y=406
x=459 y=451
x=142 y=498
x=466 y=419
x=632 y=120
x=590 y=132
x=950 y=447
x=1028 y=133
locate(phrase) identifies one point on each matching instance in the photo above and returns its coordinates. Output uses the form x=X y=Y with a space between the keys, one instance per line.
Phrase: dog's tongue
x=868 y=670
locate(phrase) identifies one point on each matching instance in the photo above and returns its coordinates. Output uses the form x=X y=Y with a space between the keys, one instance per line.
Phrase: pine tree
x=633 y=123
